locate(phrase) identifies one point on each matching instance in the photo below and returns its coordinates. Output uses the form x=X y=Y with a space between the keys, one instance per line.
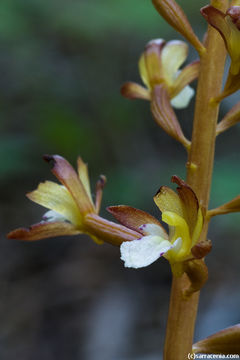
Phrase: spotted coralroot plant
x=141 y=237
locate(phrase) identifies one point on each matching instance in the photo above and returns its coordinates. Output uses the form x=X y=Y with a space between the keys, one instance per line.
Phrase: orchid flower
x=71 y=207
x=182 y=214
x=159 y=65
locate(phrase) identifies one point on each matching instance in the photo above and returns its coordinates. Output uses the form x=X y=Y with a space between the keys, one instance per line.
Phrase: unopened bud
x=201 y=249
x=197 y=273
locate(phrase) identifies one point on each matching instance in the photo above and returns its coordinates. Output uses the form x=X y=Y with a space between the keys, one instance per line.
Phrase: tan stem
x=181 y=320
x=182 y=312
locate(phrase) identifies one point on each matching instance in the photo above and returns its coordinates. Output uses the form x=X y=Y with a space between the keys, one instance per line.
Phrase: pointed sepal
x=131 y=90
x=188 y=74
x=229 y=207
x=225 y=342
x=229 y=120
x=99 y=192
x=44 y=230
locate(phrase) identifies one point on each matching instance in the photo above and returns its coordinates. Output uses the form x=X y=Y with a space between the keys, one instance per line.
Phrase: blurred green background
x=62 y=64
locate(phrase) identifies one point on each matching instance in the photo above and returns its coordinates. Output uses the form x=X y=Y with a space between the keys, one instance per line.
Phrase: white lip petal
x=143 y=252
x=52 y=215
x=183 y=99
x=154 y=229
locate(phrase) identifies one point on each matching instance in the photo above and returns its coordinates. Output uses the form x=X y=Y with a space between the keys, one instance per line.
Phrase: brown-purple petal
x=43 y=230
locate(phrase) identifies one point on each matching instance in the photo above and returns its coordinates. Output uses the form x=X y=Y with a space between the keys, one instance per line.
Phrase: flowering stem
x=182 y=312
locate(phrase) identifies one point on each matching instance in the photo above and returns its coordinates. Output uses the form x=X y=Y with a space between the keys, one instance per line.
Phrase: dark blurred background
x=62 y=64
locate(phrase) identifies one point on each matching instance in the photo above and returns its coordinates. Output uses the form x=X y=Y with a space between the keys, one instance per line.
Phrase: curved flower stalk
x=71 y=207
x=183 y=215
x=228 y=25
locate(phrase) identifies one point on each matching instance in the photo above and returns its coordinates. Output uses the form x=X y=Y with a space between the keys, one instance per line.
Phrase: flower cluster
x=141 y=236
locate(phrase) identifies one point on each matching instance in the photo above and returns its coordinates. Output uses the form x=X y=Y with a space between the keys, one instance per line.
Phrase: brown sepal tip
x=19 y=233
x=182 y=184
x=102 y=180
x=49 y=159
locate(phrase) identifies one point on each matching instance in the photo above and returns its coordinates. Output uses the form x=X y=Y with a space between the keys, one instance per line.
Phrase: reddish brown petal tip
x=20 y=233
x=52 y=159
x=47 y=157
x=208 y=11
x=177 y=180
x=216 y=18
x=182 y=184
x=66 y=174
x=132 y=217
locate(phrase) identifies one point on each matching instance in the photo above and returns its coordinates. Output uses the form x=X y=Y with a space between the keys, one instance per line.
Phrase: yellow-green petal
x=167 y=200
x=181 y=231
x=56 y=197
x=143 y=71
x=84 y=177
